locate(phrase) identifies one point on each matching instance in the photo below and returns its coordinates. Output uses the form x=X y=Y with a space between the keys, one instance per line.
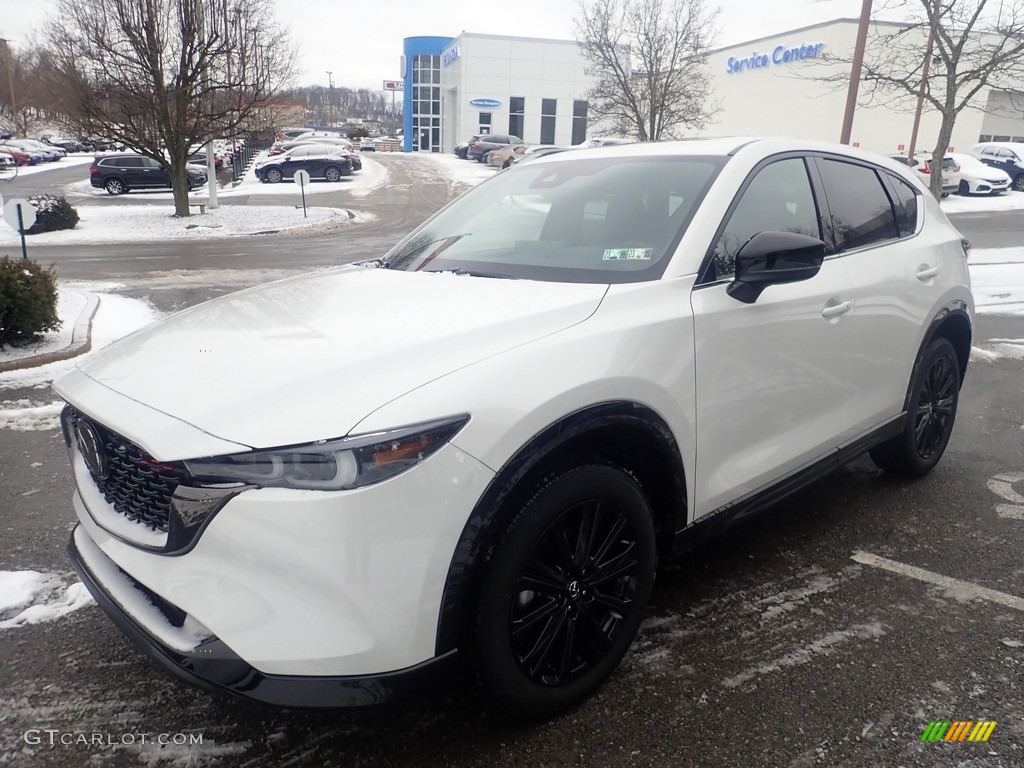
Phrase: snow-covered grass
x=116 y=316
x=33 y=597
x=134 y=223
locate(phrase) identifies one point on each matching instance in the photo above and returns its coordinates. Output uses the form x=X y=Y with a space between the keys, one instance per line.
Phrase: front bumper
x=213 y=666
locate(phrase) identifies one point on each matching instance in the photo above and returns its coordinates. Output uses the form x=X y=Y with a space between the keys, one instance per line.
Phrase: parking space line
x=962 y=587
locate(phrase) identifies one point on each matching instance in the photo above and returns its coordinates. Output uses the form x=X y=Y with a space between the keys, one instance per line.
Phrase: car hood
x=309 y=357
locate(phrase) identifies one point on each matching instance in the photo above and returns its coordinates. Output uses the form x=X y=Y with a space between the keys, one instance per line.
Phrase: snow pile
x=27 y=416
x=36 y=597
x=997 y=280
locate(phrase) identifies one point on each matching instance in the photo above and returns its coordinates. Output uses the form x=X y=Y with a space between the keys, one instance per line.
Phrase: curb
x=81 y=341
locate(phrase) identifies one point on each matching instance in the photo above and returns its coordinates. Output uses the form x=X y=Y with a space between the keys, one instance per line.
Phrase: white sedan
x=326 y=490
x=976 y=178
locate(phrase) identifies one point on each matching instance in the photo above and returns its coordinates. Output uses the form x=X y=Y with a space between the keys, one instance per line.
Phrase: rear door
x=896 y=281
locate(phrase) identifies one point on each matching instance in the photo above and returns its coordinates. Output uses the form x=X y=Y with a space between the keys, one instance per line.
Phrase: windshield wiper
x=474 y=273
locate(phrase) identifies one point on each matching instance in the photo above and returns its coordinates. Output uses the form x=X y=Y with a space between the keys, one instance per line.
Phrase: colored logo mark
x=958 y=730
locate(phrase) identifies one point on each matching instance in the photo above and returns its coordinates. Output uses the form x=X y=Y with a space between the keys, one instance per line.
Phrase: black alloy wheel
x=566 y=590
x=932 y=406
x=1018 y=183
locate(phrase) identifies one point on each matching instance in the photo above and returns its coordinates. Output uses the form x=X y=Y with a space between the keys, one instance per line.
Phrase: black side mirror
x=774 y=257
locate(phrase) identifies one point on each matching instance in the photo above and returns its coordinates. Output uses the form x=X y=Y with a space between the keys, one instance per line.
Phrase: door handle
x=834 y=310
x=924 y=272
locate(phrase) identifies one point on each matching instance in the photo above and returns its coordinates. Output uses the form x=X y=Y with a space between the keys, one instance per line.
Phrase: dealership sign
x=780 y=54
x=485 y=103
x=453 y=53
x=394 y=85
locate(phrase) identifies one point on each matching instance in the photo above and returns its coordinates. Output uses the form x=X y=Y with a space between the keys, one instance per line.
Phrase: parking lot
x=828 y=631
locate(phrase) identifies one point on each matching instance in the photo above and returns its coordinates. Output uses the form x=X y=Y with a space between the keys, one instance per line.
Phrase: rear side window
x=859 y=207
x=128 y=162
x=905 y=205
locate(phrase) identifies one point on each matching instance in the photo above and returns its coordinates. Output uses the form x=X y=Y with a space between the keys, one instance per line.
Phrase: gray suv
x=124 y=172
x=478 y=149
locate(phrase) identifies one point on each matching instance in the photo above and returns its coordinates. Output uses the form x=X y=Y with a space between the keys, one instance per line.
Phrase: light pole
x=330 y=97
x=10 y=81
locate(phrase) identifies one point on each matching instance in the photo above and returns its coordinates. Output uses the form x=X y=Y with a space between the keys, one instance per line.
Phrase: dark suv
x=478 y=149
x=124 y=172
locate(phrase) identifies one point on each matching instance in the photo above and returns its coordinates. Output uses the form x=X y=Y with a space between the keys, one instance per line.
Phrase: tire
x=332 y=173
x=1018 y=183
x=188 y=184
x=934 y=395
x=485 y=158
x=273 y=176
x=115 y=186
x=507 y=163
x=965 y=188
x=553 y=621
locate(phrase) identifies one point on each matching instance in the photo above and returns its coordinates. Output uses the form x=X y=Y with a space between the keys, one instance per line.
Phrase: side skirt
x=728 y=515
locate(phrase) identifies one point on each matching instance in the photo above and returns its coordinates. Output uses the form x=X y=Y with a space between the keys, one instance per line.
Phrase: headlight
x=332 y=465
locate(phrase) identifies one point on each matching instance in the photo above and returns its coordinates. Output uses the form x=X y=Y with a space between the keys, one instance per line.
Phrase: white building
x=772 y=86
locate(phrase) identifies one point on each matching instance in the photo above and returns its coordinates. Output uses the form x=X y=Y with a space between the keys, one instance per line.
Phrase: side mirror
x=774 y=257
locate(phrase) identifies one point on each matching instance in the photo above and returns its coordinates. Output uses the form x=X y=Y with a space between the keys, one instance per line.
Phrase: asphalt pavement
x=828 y=631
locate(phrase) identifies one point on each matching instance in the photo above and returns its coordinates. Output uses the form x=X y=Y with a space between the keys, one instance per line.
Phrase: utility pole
x=10 y=82
x=330 y=97
x=858 y=63
x=211 y=163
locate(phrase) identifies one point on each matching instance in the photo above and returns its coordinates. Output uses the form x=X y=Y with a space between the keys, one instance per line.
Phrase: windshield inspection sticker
x=627 y=254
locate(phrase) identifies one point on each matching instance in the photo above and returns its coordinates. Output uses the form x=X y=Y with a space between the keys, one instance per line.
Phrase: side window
x=861 y=212
x=149 y=162
x=906 y=208
x=778 y=199
x=130 y=162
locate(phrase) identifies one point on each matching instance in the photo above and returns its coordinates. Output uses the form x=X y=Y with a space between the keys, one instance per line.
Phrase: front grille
x=136 y=485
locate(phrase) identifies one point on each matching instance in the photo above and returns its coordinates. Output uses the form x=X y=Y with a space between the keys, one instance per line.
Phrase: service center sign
x=780 y=54
x=485 y=103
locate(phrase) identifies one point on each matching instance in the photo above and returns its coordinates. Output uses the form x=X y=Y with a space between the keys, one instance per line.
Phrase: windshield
x=595 y=220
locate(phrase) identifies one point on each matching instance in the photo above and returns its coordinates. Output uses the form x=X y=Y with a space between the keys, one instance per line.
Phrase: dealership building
x=781 y=85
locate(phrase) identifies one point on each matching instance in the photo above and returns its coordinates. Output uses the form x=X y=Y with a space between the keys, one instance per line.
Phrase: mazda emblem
x=90 y=446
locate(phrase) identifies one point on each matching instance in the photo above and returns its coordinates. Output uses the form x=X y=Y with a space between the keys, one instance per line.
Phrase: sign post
x=393 y=85
x=302 y=179
x=21 y=215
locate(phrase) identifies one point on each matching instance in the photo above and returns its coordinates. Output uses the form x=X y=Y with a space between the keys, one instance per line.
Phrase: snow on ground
x=130 y=223
x=30 y=597
x=117 y=316
x=1008 y=201
x=29 y=416
x=468 y=172
x=66 y=162
x=69 y=304
x=997 y=280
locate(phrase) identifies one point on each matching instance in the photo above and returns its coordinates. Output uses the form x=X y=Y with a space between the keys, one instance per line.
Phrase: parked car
x=199 y=158
x=290 y=133
x=463 y=148
x=1007 y=156
x=479 y=148
x=7 y=161
x=505 y=156
x=479 y=445
x=120 y=173
x=367 y=145
x=605 y=141
x=976 y=178
x=21 y=156
x=950 y=172
x=320 y=161
x=338 y=141
x=46 y=153
x=68 y=145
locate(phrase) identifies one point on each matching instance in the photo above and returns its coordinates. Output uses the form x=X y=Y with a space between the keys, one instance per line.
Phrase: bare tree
x=163 y=75
x=970 y=46
x=648 y=59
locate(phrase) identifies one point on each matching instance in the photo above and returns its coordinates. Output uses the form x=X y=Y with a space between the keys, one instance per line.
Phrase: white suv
x=323 y=490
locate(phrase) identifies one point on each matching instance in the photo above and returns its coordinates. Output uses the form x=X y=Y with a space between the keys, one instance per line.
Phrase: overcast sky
x=361 y=42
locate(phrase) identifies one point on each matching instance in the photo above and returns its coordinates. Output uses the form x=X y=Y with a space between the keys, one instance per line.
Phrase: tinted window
x=860 y=209
x=906 y=206
x=778 y=199
x=129 y=162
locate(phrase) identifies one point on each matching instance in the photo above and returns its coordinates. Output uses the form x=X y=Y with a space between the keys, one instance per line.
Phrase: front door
x=772 y=377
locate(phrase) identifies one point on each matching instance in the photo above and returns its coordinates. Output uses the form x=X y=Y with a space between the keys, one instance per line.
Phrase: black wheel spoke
x=538 y=655
x=585 y=536
x=623 y=563
x=619 y=604
x=528 y=621
x=542 y=579
x=565 y=666
x=609 y=540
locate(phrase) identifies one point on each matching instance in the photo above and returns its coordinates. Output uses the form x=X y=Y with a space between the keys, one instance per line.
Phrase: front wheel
x=332 y=174
x=934 y=395
x=273 y=176
x=565 y=590
x=965 y=188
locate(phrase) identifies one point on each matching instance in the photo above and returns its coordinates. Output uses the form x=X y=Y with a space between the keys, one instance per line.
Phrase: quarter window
x=778 y=199
x=861 y=212
x=906 y=206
